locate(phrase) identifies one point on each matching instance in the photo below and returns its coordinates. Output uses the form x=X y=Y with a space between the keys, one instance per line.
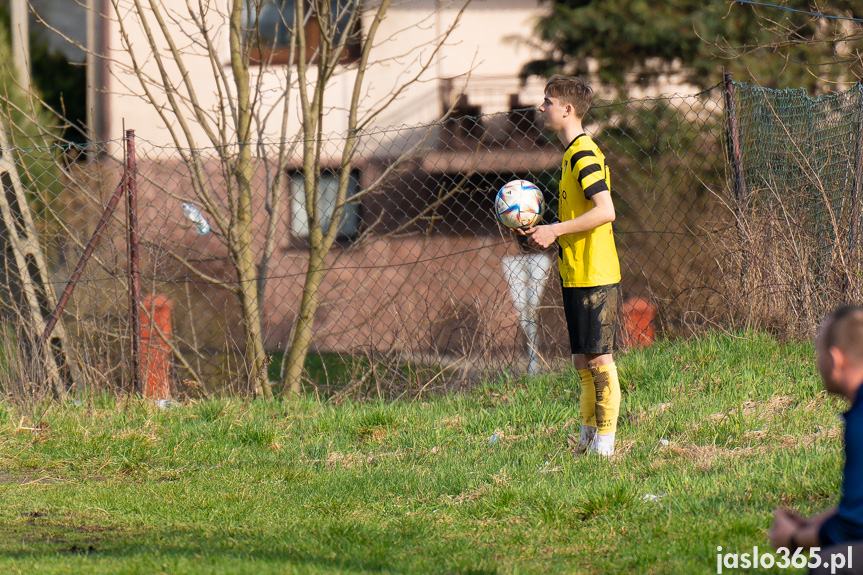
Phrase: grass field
x=256 y=487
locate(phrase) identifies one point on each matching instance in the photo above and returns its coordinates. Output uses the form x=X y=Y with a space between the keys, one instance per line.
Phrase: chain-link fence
x=798 y=171
x=419 y=289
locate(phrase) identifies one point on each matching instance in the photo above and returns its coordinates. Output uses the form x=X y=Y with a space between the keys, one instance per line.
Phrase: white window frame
x=328 y=189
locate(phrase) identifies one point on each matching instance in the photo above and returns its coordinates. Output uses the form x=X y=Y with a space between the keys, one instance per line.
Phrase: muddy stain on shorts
x=591 y=317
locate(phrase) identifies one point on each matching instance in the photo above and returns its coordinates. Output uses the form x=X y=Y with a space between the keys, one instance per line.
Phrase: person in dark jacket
x=836 y=532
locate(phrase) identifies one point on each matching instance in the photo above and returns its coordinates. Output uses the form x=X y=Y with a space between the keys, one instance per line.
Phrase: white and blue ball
x=519 y=204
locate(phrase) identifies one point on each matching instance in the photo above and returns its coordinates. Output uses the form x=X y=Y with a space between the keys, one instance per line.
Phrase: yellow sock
x=587 y=399
x=607 y=389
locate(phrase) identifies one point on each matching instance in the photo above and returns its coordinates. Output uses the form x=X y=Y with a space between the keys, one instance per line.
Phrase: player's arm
x=601 y=213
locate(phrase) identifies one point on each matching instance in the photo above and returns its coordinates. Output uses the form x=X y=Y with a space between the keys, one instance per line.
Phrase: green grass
x=302 y=487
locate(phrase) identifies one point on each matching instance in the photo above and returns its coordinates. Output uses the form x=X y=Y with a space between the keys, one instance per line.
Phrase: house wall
x=481 y=51
x=437 y=288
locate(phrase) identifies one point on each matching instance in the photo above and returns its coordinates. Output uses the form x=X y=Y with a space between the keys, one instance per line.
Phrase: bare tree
x=236 y=115
x=311 y=94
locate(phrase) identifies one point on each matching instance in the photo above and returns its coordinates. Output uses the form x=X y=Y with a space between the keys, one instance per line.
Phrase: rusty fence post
x=735 y=156
x=128 y=184
x=82 y=261
x=134 y=265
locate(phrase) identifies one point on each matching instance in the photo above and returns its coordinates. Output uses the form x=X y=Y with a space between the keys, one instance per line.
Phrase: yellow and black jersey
x=586 y=259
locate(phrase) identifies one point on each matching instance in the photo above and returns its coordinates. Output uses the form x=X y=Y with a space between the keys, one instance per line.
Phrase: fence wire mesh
x=797 y=202
x=419 y=291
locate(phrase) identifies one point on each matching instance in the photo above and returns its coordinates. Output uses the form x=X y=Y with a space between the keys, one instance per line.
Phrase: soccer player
x=587 y=261
x=838 y=531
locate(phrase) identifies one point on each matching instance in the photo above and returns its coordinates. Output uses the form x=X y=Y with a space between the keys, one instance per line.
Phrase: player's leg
x=591 y=315
x=572 y=305
x=607 y=389
x=587 y=403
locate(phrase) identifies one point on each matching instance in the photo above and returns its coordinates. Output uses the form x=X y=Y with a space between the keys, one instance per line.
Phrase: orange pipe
x=637 y=323
x=155 y=351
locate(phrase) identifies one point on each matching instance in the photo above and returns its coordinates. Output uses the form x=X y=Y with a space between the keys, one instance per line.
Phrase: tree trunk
x=255 y=353
x=302 y=335
x=320 y=241
x=242 y=240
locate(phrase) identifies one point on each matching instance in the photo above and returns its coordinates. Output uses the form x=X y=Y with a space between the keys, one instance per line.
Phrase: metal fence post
x=82 y=261
x=734 y=146
x=134 y=267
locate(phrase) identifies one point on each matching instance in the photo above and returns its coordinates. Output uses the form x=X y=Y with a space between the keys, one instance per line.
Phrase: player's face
x=553 y=112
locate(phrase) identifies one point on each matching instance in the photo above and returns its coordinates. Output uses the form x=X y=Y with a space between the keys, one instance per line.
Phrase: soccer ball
x=519 y=204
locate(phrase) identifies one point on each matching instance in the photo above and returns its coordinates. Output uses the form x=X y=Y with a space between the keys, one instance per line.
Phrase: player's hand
x=540 y=236
x=796 y=517
x=784 y=525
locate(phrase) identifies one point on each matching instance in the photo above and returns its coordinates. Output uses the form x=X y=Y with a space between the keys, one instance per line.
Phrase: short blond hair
x=570 y=90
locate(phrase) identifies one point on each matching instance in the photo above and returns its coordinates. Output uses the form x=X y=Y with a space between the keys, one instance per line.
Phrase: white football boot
x=603 y=444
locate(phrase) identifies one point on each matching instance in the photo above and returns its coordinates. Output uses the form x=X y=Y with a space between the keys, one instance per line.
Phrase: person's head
x=840 y=349
x=570 y=90
x=566 y=101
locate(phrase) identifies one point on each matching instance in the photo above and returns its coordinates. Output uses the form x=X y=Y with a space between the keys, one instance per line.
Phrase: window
x=328 y=189
x=269 y=24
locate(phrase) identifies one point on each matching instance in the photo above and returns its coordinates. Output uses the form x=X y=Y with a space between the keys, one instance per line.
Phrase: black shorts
x=591 y=318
